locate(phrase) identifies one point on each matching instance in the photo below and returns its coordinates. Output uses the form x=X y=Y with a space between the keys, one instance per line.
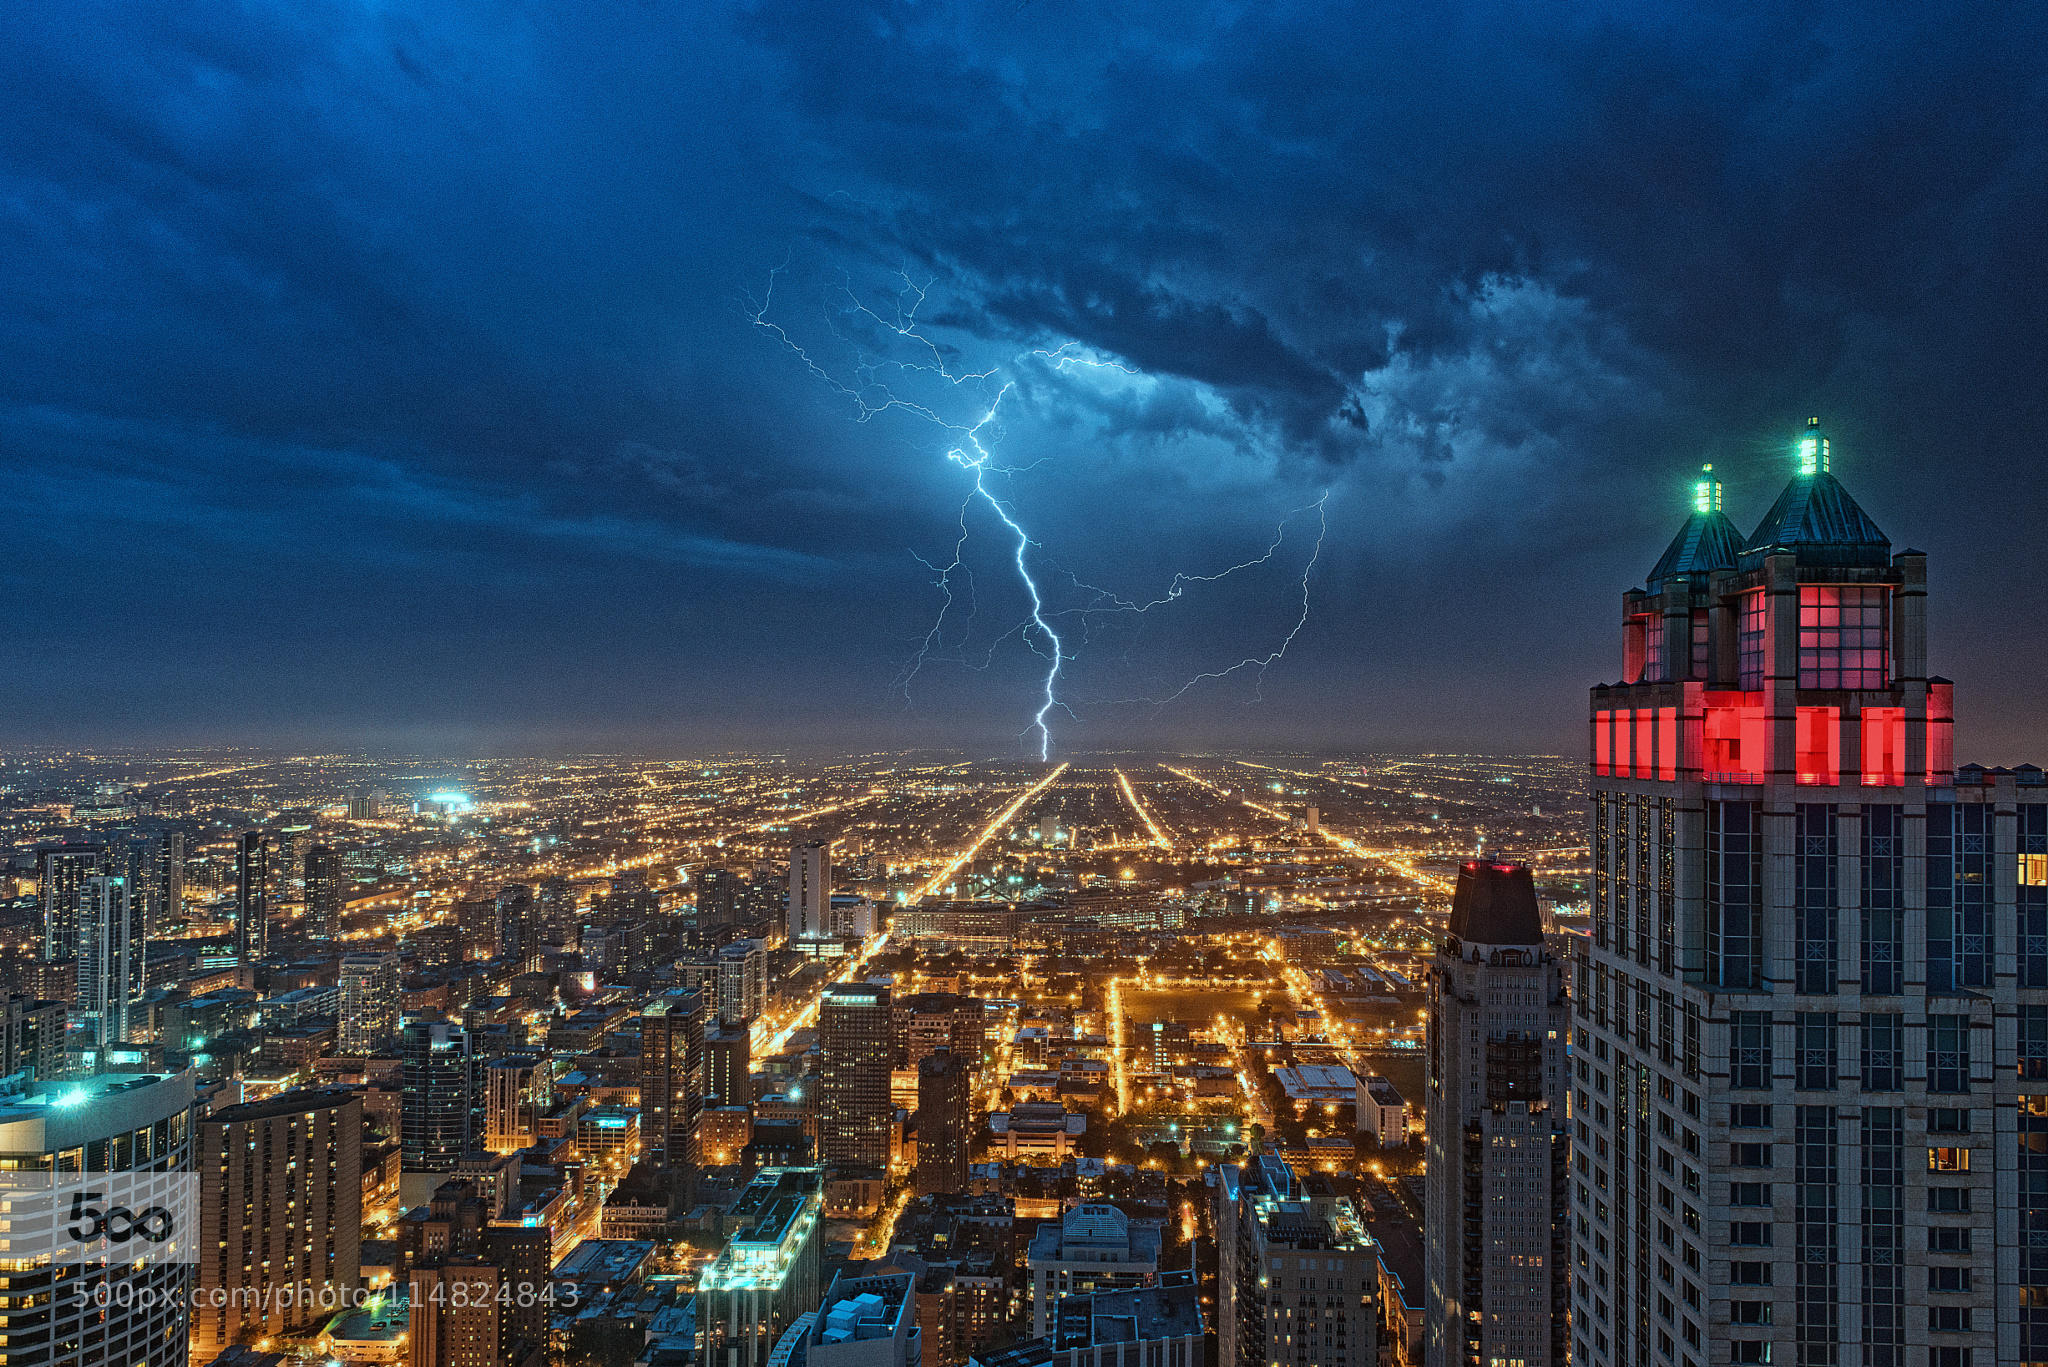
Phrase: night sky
x=395 y=374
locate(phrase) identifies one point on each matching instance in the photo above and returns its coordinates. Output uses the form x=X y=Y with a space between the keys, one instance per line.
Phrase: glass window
x=1842 y=631
x=1749 y=641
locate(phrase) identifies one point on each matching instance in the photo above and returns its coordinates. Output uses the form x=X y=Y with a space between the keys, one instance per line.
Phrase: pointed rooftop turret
x=1495 y=904
x=1708 y=541
x=1816 y=519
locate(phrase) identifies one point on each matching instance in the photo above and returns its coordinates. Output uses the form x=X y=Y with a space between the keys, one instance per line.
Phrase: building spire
x=1813 y=449
x=1706 y=492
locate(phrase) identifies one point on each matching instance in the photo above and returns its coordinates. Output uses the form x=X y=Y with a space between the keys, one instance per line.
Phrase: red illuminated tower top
x=1795 y=655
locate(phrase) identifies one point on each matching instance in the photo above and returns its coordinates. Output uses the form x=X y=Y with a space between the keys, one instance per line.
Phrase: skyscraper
x=281 y=1216
x=728 y=1052
x=252 y=895
x=855 y=1058
x=945 y=1096
x=324 y=892
x=519 y=927
x=110 y=953
x=369 y=1003
x=672 y=1076
x=1811 y=1029
x=106 y=1309
x=718 y=899
x=810 y=889
x=61 y=871
x=742 y=981
x=31 y=1036
x=1497 y=1275
x=438 y=1122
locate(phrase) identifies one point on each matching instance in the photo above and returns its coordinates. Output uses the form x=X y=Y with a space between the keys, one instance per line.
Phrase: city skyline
x=450 y=358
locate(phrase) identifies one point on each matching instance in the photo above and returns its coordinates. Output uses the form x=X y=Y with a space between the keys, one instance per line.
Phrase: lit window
x=1842 y=636
x=2034 y=870
x=1948 y=1160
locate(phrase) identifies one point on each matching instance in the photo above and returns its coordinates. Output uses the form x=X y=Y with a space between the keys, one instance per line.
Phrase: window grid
x=1842 y=636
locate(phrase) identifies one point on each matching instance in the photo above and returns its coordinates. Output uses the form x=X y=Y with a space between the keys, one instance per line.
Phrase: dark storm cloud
x=427 y=333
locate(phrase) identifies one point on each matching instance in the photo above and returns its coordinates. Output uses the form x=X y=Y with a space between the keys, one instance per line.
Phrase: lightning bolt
x=871 y=397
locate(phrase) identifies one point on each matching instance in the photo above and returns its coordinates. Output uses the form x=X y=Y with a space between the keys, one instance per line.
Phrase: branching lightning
x=871 y=396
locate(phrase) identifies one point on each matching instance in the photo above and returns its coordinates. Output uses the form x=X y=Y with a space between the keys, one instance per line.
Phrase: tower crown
x=1815 y=518
x=1707 y=541
x=1495 y=904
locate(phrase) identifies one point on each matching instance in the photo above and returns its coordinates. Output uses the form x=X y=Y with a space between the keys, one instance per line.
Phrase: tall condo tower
x=1810 y=1034
x=1497 y=1266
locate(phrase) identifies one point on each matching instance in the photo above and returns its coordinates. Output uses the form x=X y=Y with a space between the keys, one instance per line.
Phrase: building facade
x=1811 y=1030
x=855 y=1051
x=103 y=1310
x=369 y=999
x=280 y=1217
x=1497 y=1274
x=945 y=1115
x=742 y=981
x=810 y=889
x=672 y=1076
x=111 y=945
x=439 y=1121
x=1297 y=1274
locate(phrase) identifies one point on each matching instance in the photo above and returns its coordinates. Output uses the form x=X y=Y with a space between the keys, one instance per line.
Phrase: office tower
x=484 y=1304
x=61 y=871
x=516 y=1093
x=855 y=1058
x=519 y=931
x=31 y=1036
x=1297 y=1275
x=104 y=1310
x=810 y=889
x=767 y=1274
x=672 y=1076
x=369 y=1003
x=862 y=1322
x=438 y=1120
x=727 y=1058
x=110 y=951
x=252 y=895
x=742 y=981
x=1811 y=1028
x=325 y=892
x=557 y=910
x=945 y=1097
x=1497 y=1275
x=718 y=899
x=280 y=1218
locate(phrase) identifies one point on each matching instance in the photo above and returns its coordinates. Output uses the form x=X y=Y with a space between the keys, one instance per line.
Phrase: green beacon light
x=1706 y=492
x=1813 y=449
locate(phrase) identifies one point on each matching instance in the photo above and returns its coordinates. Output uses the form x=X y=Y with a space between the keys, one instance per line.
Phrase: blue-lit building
x=1810 y=1033
x=767 y=1274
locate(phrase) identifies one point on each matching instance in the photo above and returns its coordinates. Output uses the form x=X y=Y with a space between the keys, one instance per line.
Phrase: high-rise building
x=1297 y=1275
x=252 y=895
x=742 y=981
x=810 y=889
x=106 y=1309
x=369 y=1003
x=728 y=1051
x=945 y=1097
x=280 y=1218
x=767 y=1274
x=31 y=1036
x=1811 y=1027
x=718 y=899
x=516 y=1092
x=325 y=892
x=153 y=862
x=927 y=1022
x=61 y=871
x=855 y=1060
x=438 y=1119
x=672 y=1076
x=557 y=909
x=519 y=927
x=1497 y=1275
x=110 y=954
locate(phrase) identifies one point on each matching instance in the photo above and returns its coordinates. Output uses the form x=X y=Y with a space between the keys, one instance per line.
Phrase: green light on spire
x=1706 y=492
x=1813 y=449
